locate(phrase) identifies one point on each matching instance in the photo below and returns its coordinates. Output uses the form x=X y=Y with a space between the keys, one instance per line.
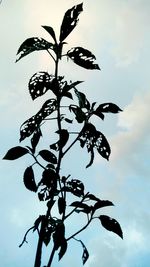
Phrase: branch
x=24 y=239
x=51 y=55
x=79 y=231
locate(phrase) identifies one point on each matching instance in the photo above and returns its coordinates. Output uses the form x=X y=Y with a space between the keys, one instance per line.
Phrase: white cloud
x=130 y=145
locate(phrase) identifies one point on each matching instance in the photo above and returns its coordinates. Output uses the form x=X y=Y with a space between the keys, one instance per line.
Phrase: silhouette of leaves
x=63 y=248
x=48 y=156
x=81 y=207
x=32 y=44
x=94 y=139
x=51 y=32
x=35 y=139
x=107 y=107
x=70 y=21
x=76 y=187
x=61 y=205
x=31 y=125
x=85 y=254
x=80 y=115
x=40 y=83
x=29 y=180
x=83 y=102
x=102 y=203
x=111 y=225
x=15 y=153
x=63 y=138
x=83 y=57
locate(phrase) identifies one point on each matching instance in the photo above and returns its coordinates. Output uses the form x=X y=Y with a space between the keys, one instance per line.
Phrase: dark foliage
x=52 y=187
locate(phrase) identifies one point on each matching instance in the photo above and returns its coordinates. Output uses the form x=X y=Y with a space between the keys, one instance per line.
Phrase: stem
x=79 y=231
x=51 y=257
x=39 y=247
x=51 y=55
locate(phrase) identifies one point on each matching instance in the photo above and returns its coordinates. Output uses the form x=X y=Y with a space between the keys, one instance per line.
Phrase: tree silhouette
x=54 y=188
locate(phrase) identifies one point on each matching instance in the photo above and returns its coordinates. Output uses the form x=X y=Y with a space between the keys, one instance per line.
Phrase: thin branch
x=37 y=161
x=51 y=55
x=25 y=236
x=79 y=231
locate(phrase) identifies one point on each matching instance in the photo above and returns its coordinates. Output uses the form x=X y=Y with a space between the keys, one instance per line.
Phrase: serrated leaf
x=50 y=30
x=40 y=83
x=48 y=156
x=15 y=153
x=29 y=180
x=107 y=107
x=70 y=21
x=32 y=44
x=83 y=57
x=111 y=224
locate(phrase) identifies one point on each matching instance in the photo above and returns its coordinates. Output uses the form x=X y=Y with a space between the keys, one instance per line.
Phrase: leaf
x=67 y=87
x=29 y=180
x=70 y=21
x=35 y=138
x=63 y=138
x=81 y=207
x=80 y=115
x=107 y=107
x=59 y=236
x=15 y=153
x=83 y=57
x=48 y=156
x=83 y=102
x=32 y=44
x=102 y=203
x=61 y=205
x=40 y=83
x=94 y=139
x=92 y=197
x=51 y=32
x=31 y=125
x=85 y=254
x=76 y=187
x=99 y=114
x=67 y=94
x=37 y=222
x=63 y=249
x=111 y=224
x=49 y=178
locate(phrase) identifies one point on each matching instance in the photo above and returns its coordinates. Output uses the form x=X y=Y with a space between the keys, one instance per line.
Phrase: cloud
x=130 y=145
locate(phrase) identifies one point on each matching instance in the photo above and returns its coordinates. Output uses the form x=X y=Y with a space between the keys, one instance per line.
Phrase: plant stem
x=51 y=257
x=79 y=231
x=39 y=247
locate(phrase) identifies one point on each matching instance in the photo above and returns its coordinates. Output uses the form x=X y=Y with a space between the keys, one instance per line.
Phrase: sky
x=117 y=32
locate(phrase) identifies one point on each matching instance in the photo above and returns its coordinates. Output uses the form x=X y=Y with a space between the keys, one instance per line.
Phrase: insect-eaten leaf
x=111 y=225
x=31 y=125
x=107 y=107
x=29 y=180
x=83 y=57
x=15 y=153
x=48 y=156
x=94 y=139
x=40 y=83
x=85 y=254
x=70 y=21
x=76 y=187
x=32 y=44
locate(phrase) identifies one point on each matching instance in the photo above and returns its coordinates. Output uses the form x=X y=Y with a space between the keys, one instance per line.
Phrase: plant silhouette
x=54 y=188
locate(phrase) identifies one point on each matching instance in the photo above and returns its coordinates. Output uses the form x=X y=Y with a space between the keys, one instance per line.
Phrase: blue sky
x=117 y=32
